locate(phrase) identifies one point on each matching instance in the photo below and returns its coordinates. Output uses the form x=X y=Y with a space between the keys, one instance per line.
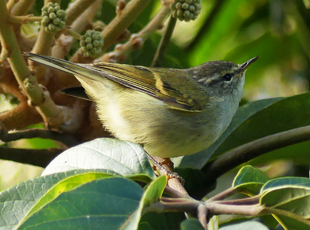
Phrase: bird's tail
x=63 y=65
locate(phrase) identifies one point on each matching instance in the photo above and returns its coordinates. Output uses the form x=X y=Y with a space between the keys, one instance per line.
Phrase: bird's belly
x=176 y=140
x=162 y=131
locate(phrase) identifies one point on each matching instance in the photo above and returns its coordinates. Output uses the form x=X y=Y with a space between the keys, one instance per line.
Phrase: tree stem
x=254 y=149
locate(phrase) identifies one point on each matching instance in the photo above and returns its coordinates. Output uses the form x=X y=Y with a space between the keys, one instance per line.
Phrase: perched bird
x=171 y=112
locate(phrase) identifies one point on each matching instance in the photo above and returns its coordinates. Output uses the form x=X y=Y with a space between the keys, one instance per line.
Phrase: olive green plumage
x=172 y=112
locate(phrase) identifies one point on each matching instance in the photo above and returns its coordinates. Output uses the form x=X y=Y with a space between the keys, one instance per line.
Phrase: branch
x=222 y=195
x=74 y=11
x=21 y=7
x=116 y=27
x=42 y=46
x=173 y=193
x=24 y=19
x=37 y=157
x=37 y=133
x=164 y=167
x=20 y=117
x=254 y=149
x=162 y=47
x=136 y=41
x=249 y=210
x=37 y=96
x=63 y=43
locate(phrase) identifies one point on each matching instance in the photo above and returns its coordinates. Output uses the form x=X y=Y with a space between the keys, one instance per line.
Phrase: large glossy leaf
x=272 y=116
x=251 y=224
x=66 y=185
x=151 y=195
x=17 y=201
x=125 y=158
x=191 y=224
x=249 y=180
x=162 y=221
x=288 y=199
x=103 y=203
x=198 y=160
x=288 y=113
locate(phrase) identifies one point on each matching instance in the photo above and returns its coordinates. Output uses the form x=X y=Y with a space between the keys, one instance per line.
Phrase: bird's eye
x=227 y=77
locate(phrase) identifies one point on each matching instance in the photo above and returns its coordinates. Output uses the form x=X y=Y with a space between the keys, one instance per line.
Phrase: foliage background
x=275 y=30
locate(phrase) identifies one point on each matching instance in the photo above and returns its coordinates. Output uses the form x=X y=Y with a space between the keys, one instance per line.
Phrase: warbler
x=171 y=112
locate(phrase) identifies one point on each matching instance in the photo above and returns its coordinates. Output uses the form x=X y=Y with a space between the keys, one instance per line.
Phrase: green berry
x=186 y=10
x=52 y=16
x=54 y=19
x=51 y=27
x=185 y=6
x=186 y=13
x=51 y=10
x=88 y=39
x=178 y=6
x=91 y=43
x=96 y=43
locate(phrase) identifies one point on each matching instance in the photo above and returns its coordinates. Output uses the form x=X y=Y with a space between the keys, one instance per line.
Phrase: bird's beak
x=245 y=65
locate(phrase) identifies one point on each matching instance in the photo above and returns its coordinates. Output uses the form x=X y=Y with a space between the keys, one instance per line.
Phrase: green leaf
x=101 y=203
x=290 y=221
x=151 y=195
x=213 y=223
x=198 y=160
x=249 y=180
x=191 y=224
x=251 y=224
x=197 y=184
x=66 y=185
x=122 y=157
x=288 y=113
x=286 y=181
x=260 y=119
x=288 y=199
x=162 y=221
x=16 y=201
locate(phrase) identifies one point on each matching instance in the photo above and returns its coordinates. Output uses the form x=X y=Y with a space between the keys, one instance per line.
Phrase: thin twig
x=20 y=117
x=222 y=195
x=250 y=210
x=254 y=149
x=202 y=213
x=24 y=19
x=10 y=4
x=37 y=157
x=162 y=47
x=116 y=27
x=74 y=11
x=136 y=41
x=173 y=193
x=243 y=201
x=38 y=97
x=38 y=133
x=22 y=7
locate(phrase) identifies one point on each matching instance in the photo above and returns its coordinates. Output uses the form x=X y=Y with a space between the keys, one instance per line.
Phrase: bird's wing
x=159 y=83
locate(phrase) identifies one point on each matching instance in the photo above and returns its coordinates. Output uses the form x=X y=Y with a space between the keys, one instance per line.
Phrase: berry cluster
x=54 y=19
x=186 y=10
x=91 y=43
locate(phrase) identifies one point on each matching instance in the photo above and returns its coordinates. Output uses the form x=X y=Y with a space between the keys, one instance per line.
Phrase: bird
x=170 y=112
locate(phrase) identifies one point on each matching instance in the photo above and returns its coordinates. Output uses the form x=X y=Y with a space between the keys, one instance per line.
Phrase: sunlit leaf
x=249 y=180
x=101 y=203
x=125 y=158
